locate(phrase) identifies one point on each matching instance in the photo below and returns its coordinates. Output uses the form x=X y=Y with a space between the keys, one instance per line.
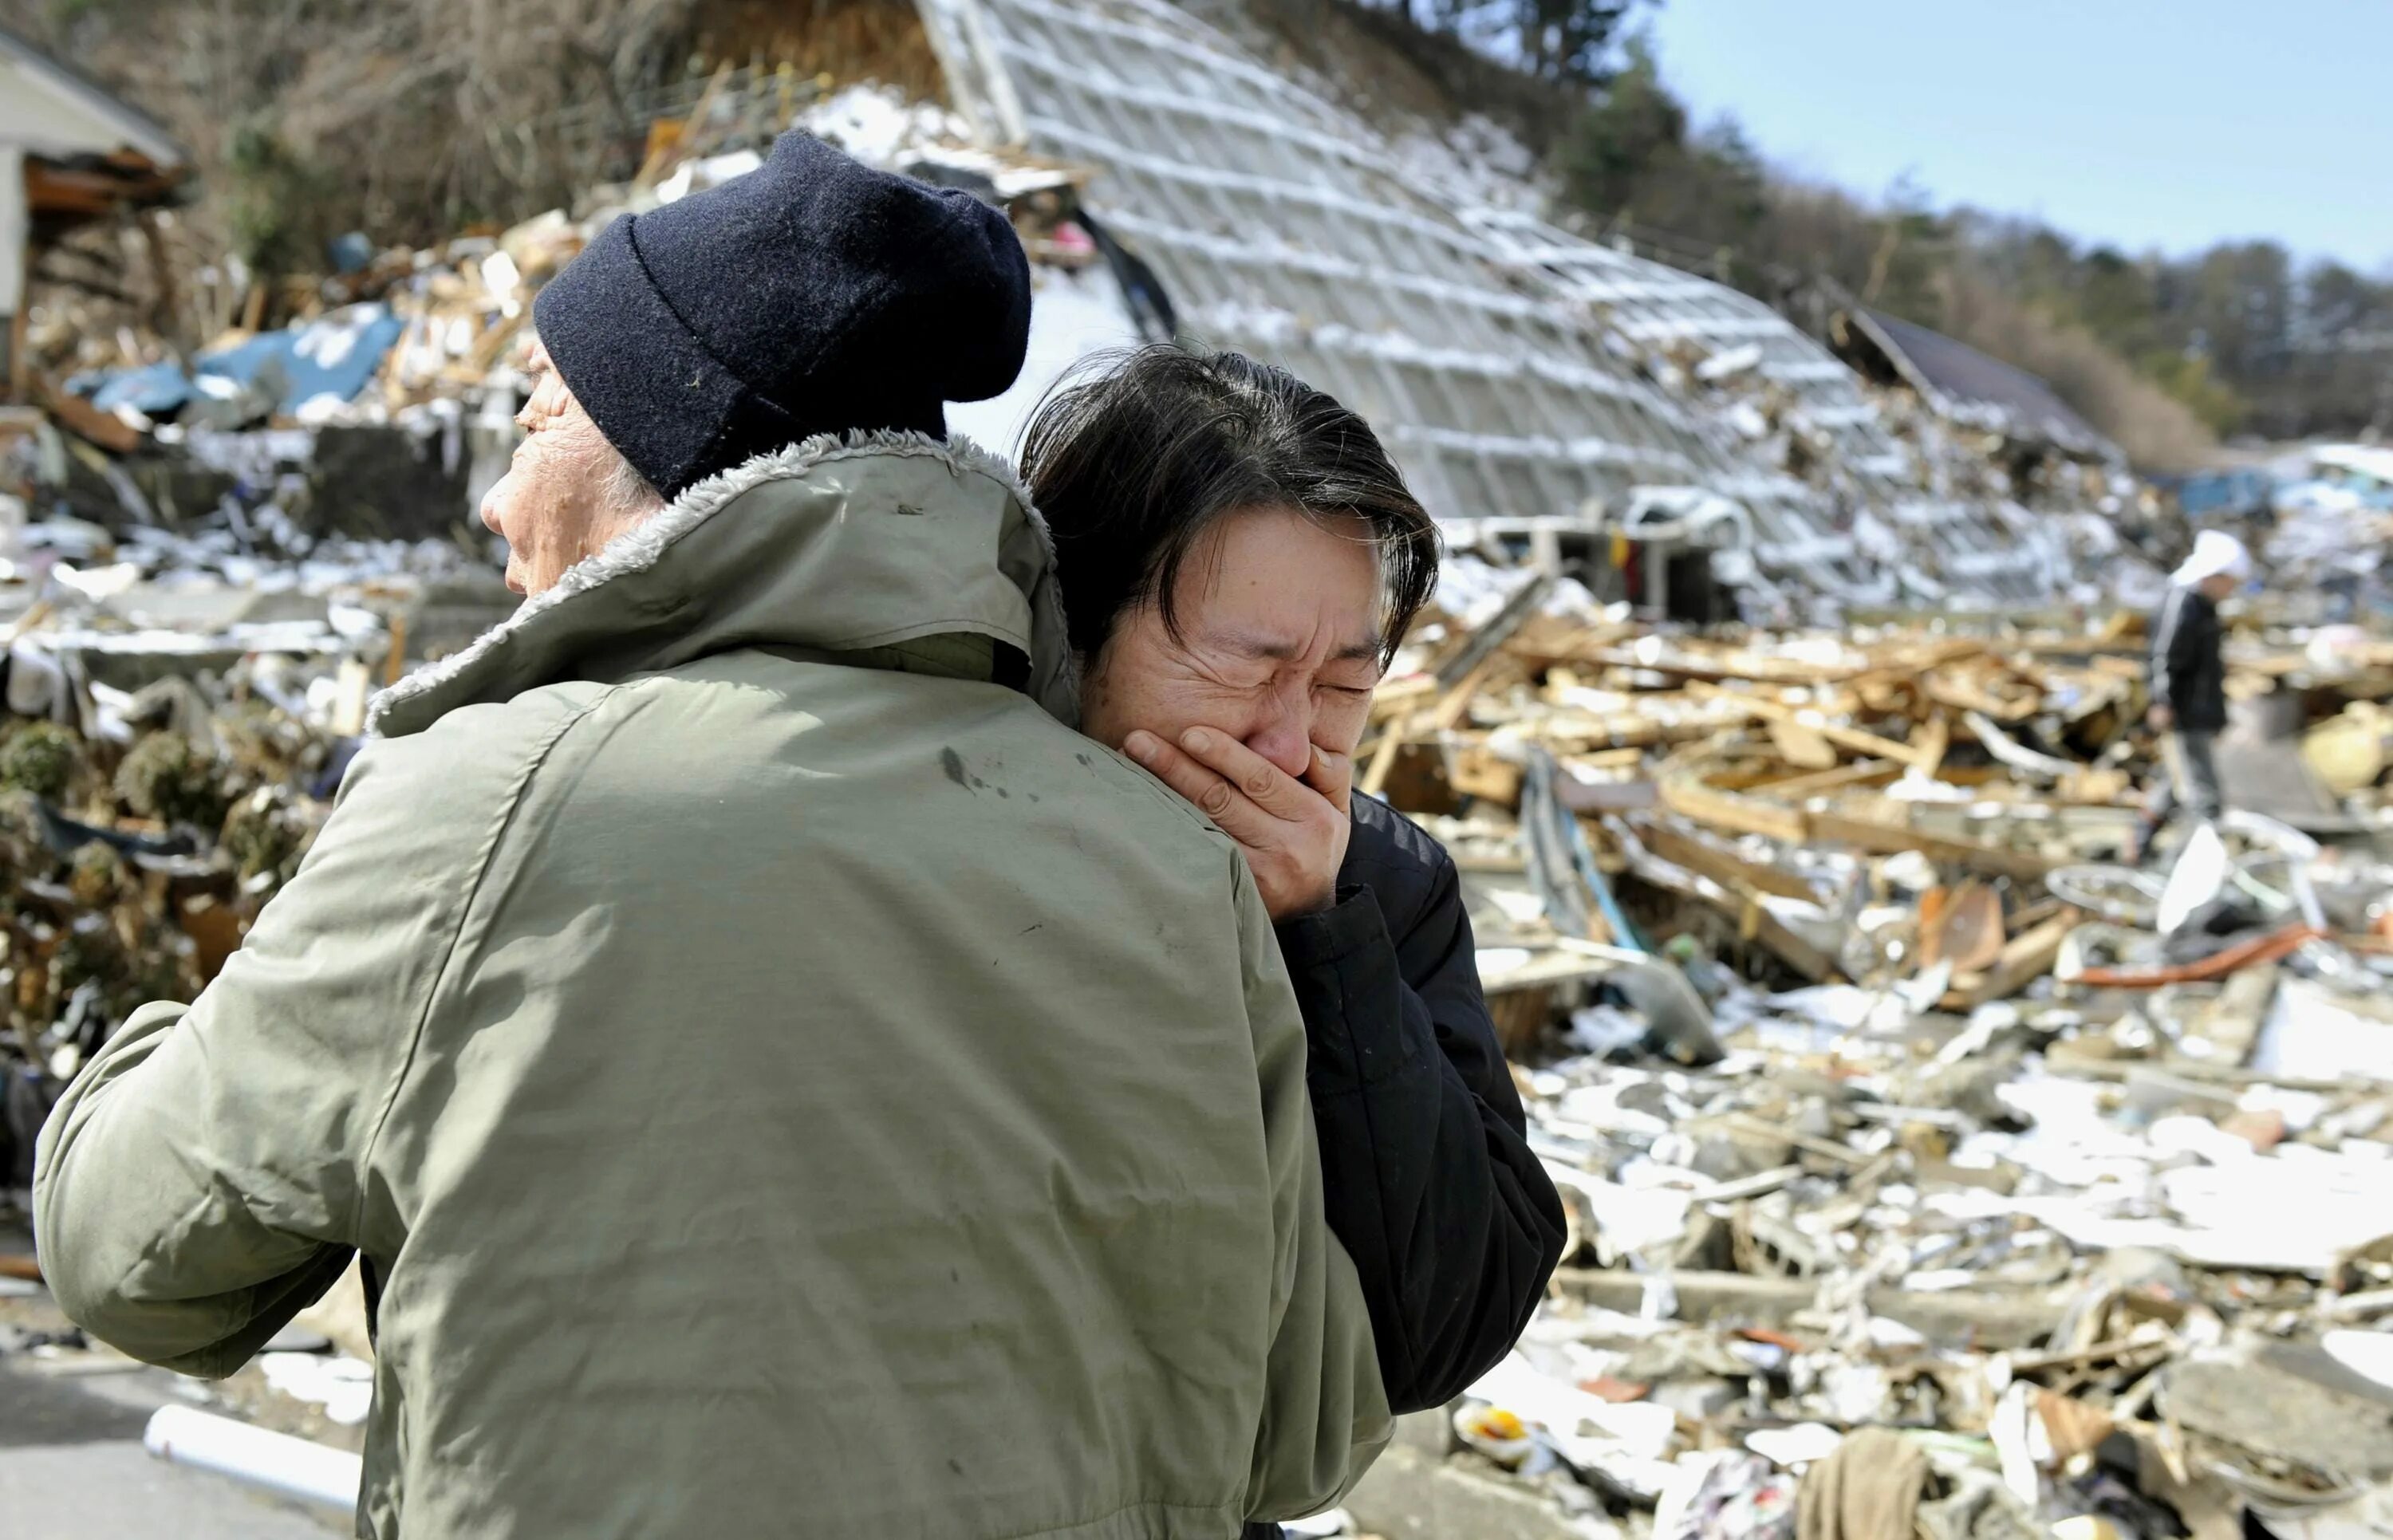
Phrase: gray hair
x=626 y=493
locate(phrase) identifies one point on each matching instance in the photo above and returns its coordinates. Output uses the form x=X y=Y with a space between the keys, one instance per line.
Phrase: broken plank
x=1482 y=644
x=1757 y=924
x=1397 y=698
x=1861 y=773
x=1893 y=838
x=1935 y=739
x=2025 y=958
x=1383 y=760
x=1456 y=700
x=1802 y=746
x=1721 y=671
x=1619 y=730
x=1926 y=756
x=2230 y=1023
x=1729 y=869
x=1692 y=798
x=88 y=421
x=1962 y=696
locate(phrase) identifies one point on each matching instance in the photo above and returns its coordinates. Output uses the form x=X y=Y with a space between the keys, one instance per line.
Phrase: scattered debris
x=1984 y=1203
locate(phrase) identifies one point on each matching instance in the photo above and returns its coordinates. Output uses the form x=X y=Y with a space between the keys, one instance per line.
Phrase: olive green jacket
x=785 y=1081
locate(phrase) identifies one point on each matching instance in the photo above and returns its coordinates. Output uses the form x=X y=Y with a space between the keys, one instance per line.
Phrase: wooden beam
x=1935 y=739
x=1729 y=869
x=1686 y=795
x=20 y=362
x=1754 y=670
x=1892 y=839
x=1756 y=923
x=1620 y=730
x=20 y=379
x=1801 y=745
x=1925 y=755
x=1861 y=773
x=84 y=420
x=1456 y=700
x=2025 y=958
x=1402 y=697
x=1383 y=762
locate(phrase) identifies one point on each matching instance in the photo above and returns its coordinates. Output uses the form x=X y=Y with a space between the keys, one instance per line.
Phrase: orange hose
x=2243 y=953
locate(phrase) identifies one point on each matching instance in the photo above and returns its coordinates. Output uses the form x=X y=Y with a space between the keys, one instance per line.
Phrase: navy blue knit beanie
x=812 y=295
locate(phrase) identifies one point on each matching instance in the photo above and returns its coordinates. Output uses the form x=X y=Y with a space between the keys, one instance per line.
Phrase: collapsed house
x=69 y=153
x=1530 y=382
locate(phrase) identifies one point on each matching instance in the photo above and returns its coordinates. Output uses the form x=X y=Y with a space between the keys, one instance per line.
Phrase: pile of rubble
x=1927 y=1166
x=185 y=673
x=207 y=567
x=2332 y=516
x=172 y=738
x=428 y=338
x=205 y=572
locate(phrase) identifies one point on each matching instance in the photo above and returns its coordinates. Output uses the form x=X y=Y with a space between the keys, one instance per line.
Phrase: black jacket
x=1451 y=1221
x=2189 y=674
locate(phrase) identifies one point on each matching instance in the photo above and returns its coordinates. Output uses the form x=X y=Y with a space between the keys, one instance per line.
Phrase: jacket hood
x=836 y=545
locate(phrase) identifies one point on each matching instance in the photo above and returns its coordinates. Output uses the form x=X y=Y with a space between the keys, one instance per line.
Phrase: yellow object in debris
x=1496 y=1423
x=1499 y=1434
x=2346 y=753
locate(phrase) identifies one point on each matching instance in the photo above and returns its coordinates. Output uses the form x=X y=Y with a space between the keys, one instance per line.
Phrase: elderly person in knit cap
x=779 y=1079
x=2189 y=683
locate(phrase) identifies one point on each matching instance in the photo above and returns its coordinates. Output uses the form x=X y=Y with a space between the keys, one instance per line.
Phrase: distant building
x=1964 y=386
x=69 y=153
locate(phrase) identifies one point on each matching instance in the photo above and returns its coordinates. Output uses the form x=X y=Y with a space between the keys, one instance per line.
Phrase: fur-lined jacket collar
x=832 y=546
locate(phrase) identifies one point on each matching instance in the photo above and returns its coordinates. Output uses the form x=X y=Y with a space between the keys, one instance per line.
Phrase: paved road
x=71 y=1467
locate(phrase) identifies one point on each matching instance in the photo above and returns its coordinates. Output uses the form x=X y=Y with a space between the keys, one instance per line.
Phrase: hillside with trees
x=2165 y=353
x=412 y=119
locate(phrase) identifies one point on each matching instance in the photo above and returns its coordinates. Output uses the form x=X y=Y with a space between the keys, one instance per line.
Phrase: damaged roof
x=1967 y=385
x=1281 y=226
x=54 y=112
x=1524 y=377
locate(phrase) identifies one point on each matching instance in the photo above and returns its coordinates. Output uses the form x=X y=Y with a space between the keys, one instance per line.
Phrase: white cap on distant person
x=2215 y=555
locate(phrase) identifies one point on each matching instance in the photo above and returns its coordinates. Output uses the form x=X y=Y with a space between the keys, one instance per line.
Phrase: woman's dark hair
x=1131 y=465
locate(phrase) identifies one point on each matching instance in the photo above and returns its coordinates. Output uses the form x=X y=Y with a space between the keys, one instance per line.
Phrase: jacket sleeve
x=2175 y=649
x=202 y=1179
x=1324 y=1414
x=1451 y=1220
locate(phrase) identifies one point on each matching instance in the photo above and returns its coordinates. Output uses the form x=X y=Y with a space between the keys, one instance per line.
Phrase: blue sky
x=2145 y=123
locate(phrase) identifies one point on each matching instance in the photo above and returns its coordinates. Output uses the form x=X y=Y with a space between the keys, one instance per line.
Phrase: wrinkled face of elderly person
x=566 y=491
x=1237 y=558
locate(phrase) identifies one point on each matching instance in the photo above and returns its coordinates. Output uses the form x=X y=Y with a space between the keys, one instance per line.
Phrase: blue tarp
x=158 y=389
x=2220 y=494
x=335 y=356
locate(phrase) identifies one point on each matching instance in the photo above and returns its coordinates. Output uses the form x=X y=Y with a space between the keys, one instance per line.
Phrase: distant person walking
x=2189 y=683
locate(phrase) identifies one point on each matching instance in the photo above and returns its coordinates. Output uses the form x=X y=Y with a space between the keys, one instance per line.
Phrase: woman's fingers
x=1292 y=833
x=1333 y=776
x=1210 y=793
x=1264 y=784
